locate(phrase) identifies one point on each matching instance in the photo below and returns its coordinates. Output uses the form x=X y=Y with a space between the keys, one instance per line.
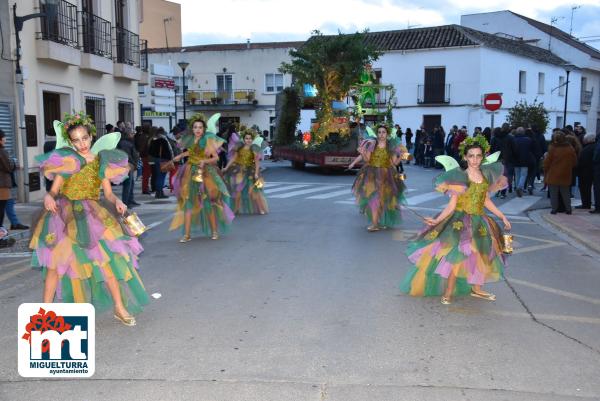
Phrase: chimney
x=247 y=43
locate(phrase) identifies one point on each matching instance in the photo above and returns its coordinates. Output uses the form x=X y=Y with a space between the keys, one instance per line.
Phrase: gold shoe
x=127 y=320
x=446 y=301
x=483 y=295
x=372 y=228
x=214 y=236
x=185 y=238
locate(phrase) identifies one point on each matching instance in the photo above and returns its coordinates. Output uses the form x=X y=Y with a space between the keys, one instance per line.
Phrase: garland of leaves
x=477 y=140
x=77 y=118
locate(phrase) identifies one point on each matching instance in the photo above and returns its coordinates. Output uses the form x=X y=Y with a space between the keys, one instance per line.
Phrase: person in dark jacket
x=438 y=143
x=596 y=164
x=420 y=137
x=449 y=141
x=141 y=140
x=408 y=137
x=160 y=151
x=7 y=166
x=532 y=167
x=585 y=171
x=523 y=159
x=503 y=142
x=127 y=145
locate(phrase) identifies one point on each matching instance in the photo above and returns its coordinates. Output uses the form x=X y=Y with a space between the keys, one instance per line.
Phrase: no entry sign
x=492 y=101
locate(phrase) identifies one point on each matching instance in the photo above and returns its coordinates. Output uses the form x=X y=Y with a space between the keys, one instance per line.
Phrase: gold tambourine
x=133 y=223
x=259 y=183
x=406 y=157
x=198 y=177
x=508 y=244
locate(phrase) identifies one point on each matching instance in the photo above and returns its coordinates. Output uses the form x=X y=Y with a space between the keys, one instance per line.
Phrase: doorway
x=51 y=101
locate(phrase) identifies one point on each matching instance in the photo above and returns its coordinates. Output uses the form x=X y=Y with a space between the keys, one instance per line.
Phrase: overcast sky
x=234 y=21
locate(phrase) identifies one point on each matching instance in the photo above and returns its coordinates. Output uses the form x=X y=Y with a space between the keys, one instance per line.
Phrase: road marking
x=523 y=315
x=551 y=290
x=519 y=205
x=286 y=188
x=536 y=248
x=12 y=273
x=15 y=255
x=426 y=197
x=16 y=262
x=303 y=192
x=346 y=202
x=331 y=194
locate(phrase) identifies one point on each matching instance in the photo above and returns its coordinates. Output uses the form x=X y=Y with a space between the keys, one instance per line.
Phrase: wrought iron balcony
x=127 y=46
x=433 y=94
x=144 y=55
x=371 y=96
x=233 y=97
x=96 y=34
x=60 y=23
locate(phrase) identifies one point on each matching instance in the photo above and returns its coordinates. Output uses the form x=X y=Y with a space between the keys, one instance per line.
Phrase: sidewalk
x=581 y=226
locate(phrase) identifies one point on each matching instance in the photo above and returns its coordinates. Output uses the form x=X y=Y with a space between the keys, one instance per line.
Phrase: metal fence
x=96 y=35
x=127 y=44
x=60 y=23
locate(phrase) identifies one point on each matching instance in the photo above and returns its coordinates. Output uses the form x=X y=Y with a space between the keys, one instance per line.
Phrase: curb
x=573 y=234
x=572 y=237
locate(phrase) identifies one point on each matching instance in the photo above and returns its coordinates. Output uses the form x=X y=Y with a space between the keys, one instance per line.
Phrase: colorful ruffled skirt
x=246 y=197
x=379 y=191
x=467 y=244
x=207 y=202
x=85 y=243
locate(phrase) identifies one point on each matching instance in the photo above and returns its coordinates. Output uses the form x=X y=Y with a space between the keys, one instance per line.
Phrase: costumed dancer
x=379 y=188
x=77 y=241
x=203 y=198
x=462 y=245
x=242 y=173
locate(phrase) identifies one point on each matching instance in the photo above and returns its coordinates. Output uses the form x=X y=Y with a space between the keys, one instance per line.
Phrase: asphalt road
x=303 y=304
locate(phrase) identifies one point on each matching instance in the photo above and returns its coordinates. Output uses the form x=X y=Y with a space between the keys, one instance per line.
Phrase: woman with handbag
x=203 y=198
x=161 y=153
x=7 y=166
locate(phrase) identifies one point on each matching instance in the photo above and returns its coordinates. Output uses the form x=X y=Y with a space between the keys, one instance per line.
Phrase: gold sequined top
x=472 y=200
x=196 y=154
x=245 y=157
x=380 y=158
x=84 y=184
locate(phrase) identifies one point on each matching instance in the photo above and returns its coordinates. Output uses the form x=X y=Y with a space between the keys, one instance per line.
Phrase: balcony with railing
x=586 y=99
x=433 y=94
x=58 y=38
x=127 y=54
x=96 y=38
x=374 y=98
x=238 y=99
x=145 y=76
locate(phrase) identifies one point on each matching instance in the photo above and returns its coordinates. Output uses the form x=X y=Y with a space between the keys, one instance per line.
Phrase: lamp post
x=568 y=69
x=18 y=23
x=183 y=65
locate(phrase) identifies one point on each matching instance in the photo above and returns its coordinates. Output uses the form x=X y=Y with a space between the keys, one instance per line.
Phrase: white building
x=82 y=55
x=240 y=81
x=442 y=73
x=586 y=81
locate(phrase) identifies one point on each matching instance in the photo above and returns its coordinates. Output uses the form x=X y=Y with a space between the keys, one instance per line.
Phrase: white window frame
x=561 y=85
x=541 y=83
x=274 y=86
x=522 y=81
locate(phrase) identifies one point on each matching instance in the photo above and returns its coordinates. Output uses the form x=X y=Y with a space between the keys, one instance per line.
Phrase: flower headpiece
x=197 y=117
x=248 y=131
x=478 y=140
x=79 y=118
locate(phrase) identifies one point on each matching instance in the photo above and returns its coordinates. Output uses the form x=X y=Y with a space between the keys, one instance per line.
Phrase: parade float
x=333 y=76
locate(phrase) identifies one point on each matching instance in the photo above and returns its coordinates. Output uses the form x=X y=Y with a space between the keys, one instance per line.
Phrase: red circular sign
x=492 y=101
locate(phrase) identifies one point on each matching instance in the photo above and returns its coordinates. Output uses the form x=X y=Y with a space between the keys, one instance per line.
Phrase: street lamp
x=183 y=65
x=568 y=68
x=18 y=23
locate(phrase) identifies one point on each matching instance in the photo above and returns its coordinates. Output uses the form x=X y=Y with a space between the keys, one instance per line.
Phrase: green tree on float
x=332 y=64
x=523 y=114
